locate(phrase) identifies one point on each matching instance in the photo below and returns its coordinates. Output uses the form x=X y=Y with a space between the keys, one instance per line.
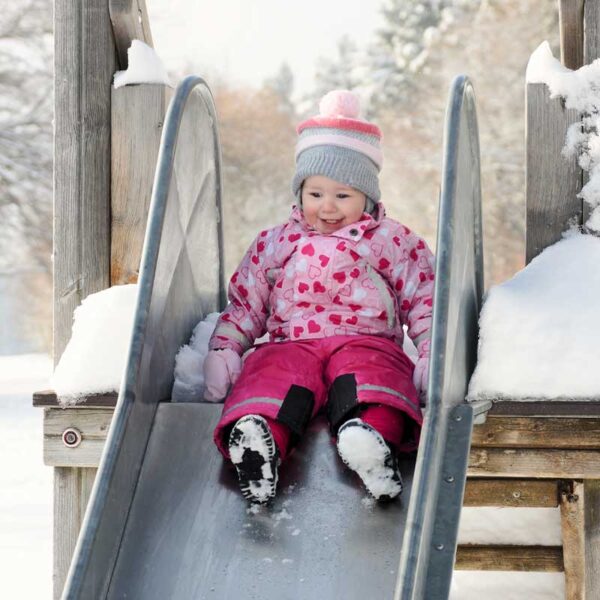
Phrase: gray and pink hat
x=339 y=145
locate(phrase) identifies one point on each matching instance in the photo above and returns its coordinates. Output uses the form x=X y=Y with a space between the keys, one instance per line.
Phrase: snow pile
x=539 y=331
x=95 y=357
x=580 y=90
x=189 y=377
x=144 y=66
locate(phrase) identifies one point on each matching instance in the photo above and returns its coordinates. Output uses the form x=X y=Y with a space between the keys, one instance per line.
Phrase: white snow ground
x=25 y=482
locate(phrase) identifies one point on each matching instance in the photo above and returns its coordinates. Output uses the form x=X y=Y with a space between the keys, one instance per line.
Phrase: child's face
x=329 y=205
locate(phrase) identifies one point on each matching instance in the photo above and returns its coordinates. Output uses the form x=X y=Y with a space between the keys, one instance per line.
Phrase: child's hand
x=221 y=370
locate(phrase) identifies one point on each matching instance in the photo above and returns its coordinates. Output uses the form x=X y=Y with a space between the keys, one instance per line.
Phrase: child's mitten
x=221 y=370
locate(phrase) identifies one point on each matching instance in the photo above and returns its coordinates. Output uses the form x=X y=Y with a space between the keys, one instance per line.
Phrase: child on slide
x=333 y=287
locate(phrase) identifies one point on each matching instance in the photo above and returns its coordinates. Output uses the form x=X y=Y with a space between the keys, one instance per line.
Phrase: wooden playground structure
x=525 y=454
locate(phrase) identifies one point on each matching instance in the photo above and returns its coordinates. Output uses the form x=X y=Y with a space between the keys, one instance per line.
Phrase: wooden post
x=572 y=527
x=552 y=182
x=130 y=22
x=591 y=493
x=570 y=14
x=138 y=112
x=84 y=63
x=72 y=488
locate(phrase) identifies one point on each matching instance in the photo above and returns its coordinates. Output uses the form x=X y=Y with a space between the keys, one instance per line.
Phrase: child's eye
x=343 y=195
x=315 y=194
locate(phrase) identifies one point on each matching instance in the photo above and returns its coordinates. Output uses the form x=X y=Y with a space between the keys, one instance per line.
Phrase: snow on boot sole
x=254 y=454
x=364 y=451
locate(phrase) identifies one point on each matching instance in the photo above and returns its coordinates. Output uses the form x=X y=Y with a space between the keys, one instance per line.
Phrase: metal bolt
x=71 y=437
x=439 y=546
x=450 y=479
x=516 y=494
x=458 y=418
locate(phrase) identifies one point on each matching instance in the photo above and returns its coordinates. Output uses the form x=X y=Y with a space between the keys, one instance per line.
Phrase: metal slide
x=166 y=520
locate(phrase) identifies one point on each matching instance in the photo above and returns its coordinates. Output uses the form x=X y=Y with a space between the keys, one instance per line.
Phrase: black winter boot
x=254 y=454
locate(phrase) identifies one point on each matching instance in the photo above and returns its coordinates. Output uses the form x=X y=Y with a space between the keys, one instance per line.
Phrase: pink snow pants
x=290 y=382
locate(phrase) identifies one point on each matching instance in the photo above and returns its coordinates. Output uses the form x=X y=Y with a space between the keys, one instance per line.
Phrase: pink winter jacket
x=370 y=277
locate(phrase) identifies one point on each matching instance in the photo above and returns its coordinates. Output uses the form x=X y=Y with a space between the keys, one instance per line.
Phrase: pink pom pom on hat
x=339 y=145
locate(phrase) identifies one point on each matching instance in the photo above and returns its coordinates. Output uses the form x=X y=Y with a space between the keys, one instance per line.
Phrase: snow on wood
x=144 y=66
x=95 y=356
x=539 y=330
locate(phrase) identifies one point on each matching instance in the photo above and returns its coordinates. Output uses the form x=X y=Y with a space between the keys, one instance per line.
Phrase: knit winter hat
x=339 y=145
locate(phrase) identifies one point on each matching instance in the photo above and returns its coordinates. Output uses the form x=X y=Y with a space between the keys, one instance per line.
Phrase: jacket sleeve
x=245 y=317
x=414 y=284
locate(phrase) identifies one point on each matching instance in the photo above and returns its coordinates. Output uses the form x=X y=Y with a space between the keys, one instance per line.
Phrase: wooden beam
x=130 y=22
x=72 y=488
x=48 y=398
x=511 y=492
x=591 y=507
x=537 y=432
x=534 y=463
x=84 y=63
x=572 y=526
x=509 y=558
x=546 y=408
x=92 y=424
x=570 y=18
x=138 y=112
x=552 y=181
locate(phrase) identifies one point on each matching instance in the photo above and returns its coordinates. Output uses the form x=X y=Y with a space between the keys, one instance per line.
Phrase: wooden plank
x=511 y=492
x=552 y=182
x=137 y=117
x=130 y=22
x=93 y=424
x=572 y=524
x=84 y=63
x=509 y=558
x=534 y=463
x=543 y=408
x=72 y=489
x=47 y=398
x=537 y=432
x=591 y=492
x=570 y=16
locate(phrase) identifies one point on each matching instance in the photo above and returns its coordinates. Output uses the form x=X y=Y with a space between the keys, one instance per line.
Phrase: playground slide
x=166 y=520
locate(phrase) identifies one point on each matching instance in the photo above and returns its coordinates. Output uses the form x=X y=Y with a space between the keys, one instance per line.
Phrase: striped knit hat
x=339 y=145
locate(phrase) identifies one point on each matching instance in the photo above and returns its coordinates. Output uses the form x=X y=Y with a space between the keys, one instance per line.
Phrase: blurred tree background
x=403 y=76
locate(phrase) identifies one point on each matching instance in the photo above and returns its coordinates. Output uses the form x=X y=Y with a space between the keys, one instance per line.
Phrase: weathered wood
x=47 y=398
x=72 y=488
x=537 y=432
x=552 y=181
x=591 y=507
x=534 y=463
x=84 y=63
x=547 y=408
x=591 y=31
x=137 y=117
x=511 y=492
x=130 y=22
x=508 y=558
x=570 y=15
x=93 y=424
x=572 y=523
